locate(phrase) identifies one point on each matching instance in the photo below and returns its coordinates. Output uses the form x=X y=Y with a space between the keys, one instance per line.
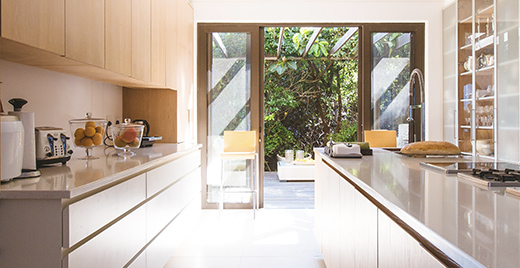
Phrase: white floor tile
x=276 y=238
x=203 y=262
x=278 y=262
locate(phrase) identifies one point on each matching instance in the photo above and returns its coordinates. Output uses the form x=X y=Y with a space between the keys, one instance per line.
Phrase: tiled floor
x=276 y=238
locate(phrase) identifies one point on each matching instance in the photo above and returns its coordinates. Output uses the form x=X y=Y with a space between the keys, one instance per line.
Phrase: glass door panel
x=229 y=108
x=229 y=58
x=465 y=74
x=484 y=77
x=391 y=53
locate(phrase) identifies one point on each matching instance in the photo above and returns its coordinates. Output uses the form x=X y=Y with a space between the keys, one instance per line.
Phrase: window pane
x=390 y=75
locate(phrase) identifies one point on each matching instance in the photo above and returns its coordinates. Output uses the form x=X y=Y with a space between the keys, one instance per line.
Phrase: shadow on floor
x=287 y=195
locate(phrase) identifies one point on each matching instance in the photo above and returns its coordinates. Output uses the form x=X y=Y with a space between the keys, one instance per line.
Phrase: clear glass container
x=88 y=133
x=127 y=136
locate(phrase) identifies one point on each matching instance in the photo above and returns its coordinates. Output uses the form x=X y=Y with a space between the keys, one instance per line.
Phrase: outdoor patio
x=287 y=195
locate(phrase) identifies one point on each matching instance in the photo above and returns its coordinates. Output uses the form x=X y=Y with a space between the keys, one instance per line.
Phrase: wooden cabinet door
x=118 y=36
x=184 y=69
x=39 y=24
x=173 y=37
x=141 y=42
x=398 y=249
x=158 y=60
x=85 y=31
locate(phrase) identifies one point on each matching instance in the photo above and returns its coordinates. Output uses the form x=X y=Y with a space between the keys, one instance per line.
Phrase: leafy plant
x=308 y=99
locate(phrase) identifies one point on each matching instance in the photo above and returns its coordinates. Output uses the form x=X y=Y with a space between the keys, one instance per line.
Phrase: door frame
x=416 y=61
x=204 y=42
x=364 y=80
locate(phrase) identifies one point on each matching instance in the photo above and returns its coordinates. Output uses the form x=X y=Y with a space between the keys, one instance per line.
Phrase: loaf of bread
x=430 y=148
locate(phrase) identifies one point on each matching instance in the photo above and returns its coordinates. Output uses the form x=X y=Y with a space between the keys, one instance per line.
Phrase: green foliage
x=308 y=99
x=347 y=133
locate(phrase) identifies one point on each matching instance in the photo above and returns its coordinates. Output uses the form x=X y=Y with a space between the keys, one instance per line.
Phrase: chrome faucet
x=416 y=74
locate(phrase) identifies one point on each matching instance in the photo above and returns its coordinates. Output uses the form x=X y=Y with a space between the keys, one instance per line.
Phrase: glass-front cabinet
x=476 y=77
x=481 y=77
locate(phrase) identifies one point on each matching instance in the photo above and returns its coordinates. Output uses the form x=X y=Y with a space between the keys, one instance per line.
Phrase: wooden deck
x=287 y=195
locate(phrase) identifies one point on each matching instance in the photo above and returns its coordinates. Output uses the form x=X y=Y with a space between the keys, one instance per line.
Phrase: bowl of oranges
x=88 y=133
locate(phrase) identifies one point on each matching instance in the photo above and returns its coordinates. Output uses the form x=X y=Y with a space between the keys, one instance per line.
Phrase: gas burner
x=493 y=177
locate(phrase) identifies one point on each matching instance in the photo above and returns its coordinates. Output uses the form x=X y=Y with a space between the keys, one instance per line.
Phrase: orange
x=77 y=142
x=79 y=133
x=87 y=142
x=90 y=124
x=99 y=129
x=90 y=131
x=97 y=139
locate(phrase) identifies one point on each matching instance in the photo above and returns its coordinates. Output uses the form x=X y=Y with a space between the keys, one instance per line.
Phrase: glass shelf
x=486 y=98
x=466 y=20
x=485 y=127
x=486 y=69
x=487 y=11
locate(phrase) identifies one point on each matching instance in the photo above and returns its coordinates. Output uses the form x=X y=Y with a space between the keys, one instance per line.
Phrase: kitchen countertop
x=78 y=177
x=473 y=226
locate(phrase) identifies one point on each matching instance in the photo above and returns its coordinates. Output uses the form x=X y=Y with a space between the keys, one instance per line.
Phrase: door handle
x=455 y=124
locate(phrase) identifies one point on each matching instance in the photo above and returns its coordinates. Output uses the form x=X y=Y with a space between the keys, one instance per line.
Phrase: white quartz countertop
x=474 y=226
x=79 y=176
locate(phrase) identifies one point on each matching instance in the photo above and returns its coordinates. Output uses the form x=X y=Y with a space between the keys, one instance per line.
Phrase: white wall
x=275 y=11
x=55 y=98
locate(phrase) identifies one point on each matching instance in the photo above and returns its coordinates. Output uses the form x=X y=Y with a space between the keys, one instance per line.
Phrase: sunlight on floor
x=276 y=238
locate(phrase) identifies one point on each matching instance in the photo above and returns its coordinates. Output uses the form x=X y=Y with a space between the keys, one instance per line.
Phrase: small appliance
x=146 y=141
x=52 y=146
x=12 y=147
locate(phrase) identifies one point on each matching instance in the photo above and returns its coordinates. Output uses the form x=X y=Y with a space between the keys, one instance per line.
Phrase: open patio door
x=229 y=86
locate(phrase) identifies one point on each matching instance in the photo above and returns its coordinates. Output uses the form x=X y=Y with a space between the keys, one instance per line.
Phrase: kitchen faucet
x=416 y=74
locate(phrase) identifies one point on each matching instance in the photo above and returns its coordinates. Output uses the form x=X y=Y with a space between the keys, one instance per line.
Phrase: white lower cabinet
x=357 y=228
x=399 y=249
x=346 y=222
x=90 y=214
x=352 y=232
x=135 y=223
x=115 y=246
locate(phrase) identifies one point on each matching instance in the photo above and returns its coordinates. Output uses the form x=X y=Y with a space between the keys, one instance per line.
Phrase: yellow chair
x=381 y=138
x=240 y=145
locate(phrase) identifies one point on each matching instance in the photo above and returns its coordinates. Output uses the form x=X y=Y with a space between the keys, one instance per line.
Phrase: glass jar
x=127 y=136
x=88 y=133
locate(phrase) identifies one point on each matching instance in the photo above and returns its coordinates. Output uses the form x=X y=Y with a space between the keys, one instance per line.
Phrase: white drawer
x=115 y=246
x=191 y=187
x=165 y=175
x=163 y=208
x=82 y=218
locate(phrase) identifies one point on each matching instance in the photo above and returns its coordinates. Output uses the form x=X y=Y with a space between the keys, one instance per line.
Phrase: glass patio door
x=394 y=51
x=230 y=58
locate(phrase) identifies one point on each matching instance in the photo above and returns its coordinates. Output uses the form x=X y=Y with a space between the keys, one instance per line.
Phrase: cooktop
x=456 y=167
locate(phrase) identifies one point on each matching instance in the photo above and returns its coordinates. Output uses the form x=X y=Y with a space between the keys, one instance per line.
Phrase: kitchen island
x=387 y=210
x=111 y=211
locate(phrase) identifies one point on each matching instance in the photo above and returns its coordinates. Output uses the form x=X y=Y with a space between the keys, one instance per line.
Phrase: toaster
x=52 y=146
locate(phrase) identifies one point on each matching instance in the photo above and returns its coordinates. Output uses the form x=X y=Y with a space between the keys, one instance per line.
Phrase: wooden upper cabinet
x=118 y=36
x=158 y=58
x=184 y=67
x=37 y=23
x=141 y=42
x=171 y=43
x=85 y=31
